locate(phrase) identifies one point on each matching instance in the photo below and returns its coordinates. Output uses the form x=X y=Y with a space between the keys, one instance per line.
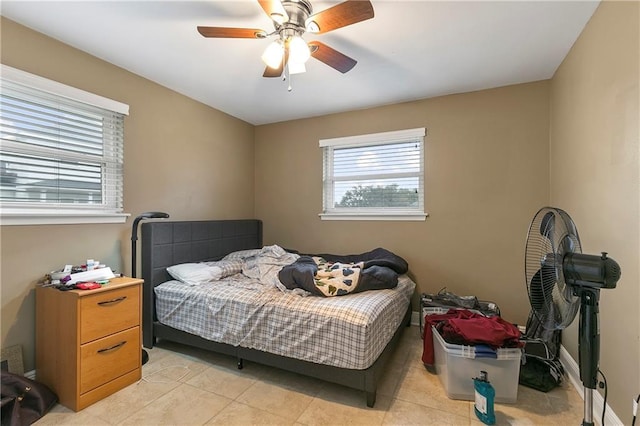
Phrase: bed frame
x=166 y=243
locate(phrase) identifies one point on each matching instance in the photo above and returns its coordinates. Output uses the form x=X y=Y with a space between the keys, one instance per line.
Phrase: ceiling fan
x=291 y=19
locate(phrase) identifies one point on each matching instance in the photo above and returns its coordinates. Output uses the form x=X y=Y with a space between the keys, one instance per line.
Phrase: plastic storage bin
x=457 y=365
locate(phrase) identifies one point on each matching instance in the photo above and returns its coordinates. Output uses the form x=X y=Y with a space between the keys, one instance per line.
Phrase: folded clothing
x=463 y=327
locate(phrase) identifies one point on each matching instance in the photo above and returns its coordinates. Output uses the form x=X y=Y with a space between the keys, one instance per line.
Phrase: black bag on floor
x=541 y=374
x=24 y=400
x=541 y=368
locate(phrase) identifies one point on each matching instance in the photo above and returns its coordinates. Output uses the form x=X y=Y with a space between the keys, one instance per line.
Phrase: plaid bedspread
x=347 y=332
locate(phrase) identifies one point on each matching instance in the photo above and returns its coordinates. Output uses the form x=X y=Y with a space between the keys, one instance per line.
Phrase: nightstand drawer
x=108 y=312
x=106 y=359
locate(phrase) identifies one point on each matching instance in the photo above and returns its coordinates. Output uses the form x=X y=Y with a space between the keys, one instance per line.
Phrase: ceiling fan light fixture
x=298 y=50
x=296 y=67
x=272 y=55
x=291 y=19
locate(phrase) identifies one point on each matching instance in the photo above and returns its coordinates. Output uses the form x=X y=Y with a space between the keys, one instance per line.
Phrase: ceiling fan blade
x=331 y=57
x=275 y=10
x=224 y=32
x=340 y=15
x=277 y=72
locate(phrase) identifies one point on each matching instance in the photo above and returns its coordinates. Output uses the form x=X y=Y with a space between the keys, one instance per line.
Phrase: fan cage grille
x=552 y=234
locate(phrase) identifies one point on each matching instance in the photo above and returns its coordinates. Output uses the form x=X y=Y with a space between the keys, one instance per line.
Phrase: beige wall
x=486 y=175
x=181 y=157
x=595 y=177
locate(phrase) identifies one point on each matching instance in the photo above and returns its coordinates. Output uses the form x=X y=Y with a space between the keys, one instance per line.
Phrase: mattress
x=347 y=331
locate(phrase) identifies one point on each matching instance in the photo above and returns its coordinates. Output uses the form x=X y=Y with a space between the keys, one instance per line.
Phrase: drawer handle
x=109 y=302
x=112 y=347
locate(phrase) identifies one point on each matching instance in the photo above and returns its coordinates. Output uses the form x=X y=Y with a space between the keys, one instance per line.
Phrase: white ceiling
x=409 y=50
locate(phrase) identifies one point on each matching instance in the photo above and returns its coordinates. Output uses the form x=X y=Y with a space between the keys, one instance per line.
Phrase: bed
x=344 y=339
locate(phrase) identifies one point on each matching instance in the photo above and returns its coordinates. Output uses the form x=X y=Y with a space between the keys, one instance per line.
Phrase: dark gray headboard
x=166 y=243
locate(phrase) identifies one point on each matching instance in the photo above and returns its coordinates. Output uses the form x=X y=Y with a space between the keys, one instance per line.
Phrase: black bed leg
x=240 y=365
x=148 y=341
x=371 y=399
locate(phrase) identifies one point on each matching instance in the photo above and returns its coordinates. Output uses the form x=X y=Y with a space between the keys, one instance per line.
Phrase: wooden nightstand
x=88 y=341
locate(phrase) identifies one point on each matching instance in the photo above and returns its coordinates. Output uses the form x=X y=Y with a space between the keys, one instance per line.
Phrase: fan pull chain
x=287 y=74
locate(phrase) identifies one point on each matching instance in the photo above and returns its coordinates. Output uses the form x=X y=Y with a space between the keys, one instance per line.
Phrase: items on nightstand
x=88 y=286
x=92 y=275
x=92 y=271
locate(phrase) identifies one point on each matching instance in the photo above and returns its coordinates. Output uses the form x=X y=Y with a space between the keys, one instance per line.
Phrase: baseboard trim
x=30 y=374
x=572 y=371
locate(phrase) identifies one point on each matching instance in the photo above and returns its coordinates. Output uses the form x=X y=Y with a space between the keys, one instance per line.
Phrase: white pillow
x=195 y=273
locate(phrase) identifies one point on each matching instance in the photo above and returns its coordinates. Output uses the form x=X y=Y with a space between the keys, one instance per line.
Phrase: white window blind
x=378 y=176
x=61 y=153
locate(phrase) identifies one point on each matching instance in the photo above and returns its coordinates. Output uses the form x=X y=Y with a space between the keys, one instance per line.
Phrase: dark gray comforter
x=337 y=275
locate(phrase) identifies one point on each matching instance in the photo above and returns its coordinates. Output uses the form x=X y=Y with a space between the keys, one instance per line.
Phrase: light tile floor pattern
x=187 y=386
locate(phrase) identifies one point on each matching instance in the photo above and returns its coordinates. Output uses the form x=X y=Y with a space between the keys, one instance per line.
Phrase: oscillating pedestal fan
x=562 y=281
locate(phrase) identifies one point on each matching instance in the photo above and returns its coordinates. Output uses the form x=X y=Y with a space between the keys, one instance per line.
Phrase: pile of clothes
x=463 y=327
x=337 y=275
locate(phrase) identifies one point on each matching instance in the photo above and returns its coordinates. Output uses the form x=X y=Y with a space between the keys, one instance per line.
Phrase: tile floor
x=187 y=386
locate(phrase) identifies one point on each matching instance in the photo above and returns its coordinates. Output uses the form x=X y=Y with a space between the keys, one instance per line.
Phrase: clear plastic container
x=457 y=365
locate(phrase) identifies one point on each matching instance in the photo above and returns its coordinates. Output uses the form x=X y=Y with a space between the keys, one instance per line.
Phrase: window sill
x=72 y=218
x=375 y=216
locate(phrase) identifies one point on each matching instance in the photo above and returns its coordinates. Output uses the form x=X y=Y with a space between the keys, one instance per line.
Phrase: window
x=61 y=153
x=374 y=177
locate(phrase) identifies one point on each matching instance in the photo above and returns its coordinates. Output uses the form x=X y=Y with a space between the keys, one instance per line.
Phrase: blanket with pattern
x=336 y=275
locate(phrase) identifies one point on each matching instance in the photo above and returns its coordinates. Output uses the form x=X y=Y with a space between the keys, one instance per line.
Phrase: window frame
x=371 y=213
x=56 y=213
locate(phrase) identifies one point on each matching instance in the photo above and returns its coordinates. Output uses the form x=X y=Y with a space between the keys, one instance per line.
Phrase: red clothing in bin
x=463 y=327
